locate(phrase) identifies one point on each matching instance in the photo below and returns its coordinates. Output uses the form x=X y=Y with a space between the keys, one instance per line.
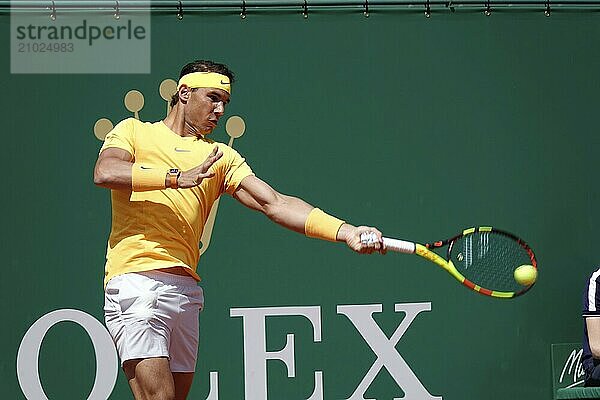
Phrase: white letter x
x=361 y=317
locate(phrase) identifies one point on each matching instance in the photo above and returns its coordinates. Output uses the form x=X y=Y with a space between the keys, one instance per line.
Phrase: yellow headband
x=205 y=80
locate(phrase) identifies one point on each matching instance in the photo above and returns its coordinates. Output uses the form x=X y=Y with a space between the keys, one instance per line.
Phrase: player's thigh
x=183 y=350
x=183 y=383
x=150 y=376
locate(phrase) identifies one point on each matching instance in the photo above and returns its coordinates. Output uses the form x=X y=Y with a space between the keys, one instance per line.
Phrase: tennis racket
x=483 y=259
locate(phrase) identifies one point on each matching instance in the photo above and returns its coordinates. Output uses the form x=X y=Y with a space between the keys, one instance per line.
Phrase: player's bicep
x=256 y=194
x=112 y=162
x=115 y=152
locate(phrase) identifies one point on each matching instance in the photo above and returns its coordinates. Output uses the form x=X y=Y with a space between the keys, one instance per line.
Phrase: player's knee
x=161 y=393
x=157 y=389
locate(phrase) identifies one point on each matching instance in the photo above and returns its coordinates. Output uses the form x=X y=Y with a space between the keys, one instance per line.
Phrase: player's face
x=205 y=107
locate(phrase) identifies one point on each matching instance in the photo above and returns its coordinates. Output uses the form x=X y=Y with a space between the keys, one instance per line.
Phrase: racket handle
x=401 y=246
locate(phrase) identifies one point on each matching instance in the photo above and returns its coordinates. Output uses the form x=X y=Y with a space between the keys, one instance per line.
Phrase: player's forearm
x=289 y=212
x=594 y=346
x=292 y=213
x=593 y=332
x=112 y=173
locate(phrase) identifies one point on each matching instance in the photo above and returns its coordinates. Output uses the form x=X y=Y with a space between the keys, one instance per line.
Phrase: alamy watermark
x=79 y=42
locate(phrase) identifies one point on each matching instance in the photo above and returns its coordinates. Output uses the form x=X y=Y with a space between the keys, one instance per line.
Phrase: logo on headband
x=205 y=80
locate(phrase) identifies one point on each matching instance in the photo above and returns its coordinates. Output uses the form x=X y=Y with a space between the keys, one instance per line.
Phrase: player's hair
x=203 y=66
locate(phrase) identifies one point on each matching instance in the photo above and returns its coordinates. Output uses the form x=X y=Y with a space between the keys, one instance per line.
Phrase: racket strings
x=489 y=259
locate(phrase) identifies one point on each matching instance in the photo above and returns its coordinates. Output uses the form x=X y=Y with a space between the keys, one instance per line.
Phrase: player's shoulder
x=229 y=152
x=230 y=155
x=222 y=146
x=139 y=128
x=595 y=275
x=125 y=125
x=136 y=123
x=592 y=288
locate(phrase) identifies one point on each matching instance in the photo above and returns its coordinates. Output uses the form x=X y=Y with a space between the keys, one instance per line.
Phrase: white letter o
x=29 y=351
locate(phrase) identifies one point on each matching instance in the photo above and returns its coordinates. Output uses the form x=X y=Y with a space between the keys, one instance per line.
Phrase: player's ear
x=184 y=93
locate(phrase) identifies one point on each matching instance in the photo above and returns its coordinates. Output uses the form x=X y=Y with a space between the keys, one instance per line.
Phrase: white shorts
x=154 y=314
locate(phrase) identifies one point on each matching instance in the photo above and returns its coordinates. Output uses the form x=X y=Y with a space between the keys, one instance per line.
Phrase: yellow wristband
x=147 y=178
x=322 y=226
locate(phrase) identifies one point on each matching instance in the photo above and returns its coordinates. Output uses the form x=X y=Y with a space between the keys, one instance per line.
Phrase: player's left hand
x=352 y=236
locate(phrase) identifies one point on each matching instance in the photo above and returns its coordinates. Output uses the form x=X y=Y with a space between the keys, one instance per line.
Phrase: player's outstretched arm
x=296 y=214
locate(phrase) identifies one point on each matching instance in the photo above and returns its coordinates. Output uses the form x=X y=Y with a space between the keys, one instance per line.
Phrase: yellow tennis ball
x=525 y=274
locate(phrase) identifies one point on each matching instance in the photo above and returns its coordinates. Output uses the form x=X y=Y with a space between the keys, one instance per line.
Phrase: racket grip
x=401 y=246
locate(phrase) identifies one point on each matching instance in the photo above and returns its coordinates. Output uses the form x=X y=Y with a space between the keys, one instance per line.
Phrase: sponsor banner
x=63 y=41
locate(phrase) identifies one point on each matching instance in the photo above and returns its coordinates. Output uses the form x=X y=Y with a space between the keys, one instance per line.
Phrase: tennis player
x=164 y=177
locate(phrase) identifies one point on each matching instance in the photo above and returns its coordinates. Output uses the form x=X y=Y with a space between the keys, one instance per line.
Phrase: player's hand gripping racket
x=483 y=259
